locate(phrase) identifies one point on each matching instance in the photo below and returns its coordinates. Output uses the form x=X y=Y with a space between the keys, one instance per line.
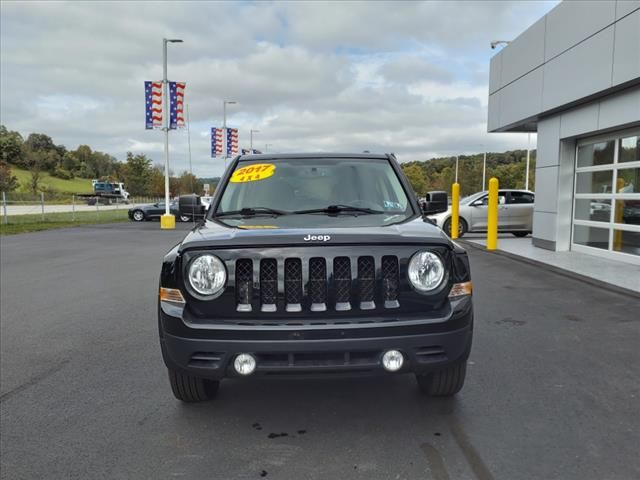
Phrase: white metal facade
x=574 y=77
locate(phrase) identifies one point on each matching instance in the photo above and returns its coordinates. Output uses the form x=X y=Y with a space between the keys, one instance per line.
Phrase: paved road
x=552 y=389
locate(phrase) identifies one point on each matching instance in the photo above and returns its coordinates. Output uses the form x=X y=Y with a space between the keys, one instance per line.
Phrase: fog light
x=392 y=360
x=244 y=364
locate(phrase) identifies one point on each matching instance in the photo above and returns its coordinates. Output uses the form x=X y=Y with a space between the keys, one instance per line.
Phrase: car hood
x=440 y=215
x=213 y=234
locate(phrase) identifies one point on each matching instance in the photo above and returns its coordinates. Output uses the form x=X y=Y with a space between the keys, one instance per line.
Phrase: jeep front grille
x=293 y=284
x=390 y=281
x=244 y=284
x=318 y=285
x=268 y=284
x=367 y=280
x=342 y=283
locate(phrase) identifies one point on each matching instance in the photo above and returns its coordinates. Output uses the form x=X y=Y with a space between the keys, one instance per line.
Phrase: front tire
x=444 y=383
x=188 y=388
x=520 y=234
x=138 y=216
x=462 y=227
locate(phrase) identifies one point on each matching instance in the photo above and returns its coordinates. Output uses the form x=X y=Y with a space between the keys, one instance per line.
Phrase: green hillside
x=76 y=185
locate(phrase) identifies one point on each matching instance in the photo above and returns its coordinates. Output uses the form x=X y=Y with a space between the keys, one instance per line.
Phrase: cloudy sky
x=409 y=78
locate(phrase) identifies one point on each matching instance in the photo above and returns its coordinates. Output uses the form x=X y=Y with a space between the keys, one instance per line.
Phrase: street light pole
x=251 y=141
x=484 y=171
x=224 y=129
x=526 y=176
x=169 y=223
x=456 y=169
x=189 y=143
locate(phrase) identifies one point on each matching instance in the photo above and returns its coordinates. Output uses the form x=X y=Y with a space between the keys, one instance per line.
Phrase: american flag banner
x=232 y=141
x=153 y=104
x=176 y=104
x=216 y=141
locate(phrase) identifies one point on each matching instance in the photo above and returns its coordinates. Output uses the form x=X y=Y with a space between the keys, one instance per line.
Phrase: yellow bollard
x=167 y=222
x=455 y=205
x=492 y=215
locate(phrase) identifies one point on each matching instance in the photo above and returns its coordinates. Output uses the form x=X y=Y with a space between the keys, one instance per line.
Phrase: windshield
x=287 y=188
x=471 y=198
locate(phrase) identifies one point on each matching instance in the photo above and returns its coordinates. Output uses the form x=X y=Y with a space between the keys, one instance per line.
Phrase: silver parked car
x=515 y=213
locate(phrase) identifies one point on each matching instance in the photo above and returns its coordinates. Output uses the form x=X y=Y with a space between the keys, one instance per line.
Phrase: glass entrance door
x=606 y=209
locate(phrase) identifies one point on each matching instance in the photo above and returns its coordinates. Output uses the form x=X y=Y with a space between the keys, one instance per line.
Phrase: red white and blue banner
x=153 y=104
x=153 y=93
x=232 y=141
x=176 y=104
x=216 y=141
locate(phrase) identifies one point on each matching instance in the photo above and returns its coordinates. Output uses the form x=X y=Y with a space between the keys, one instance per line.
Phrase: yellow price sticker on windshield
x=253 y=173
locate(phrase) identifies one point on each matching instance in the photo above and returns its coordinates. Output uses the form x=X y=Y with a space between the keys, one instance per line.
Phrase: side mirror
x=190 y=205
x=435 y=202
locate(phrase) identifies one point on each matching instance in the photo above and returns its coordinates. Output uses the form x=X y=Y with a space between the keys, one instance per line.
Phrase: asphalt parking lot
x=552 y=389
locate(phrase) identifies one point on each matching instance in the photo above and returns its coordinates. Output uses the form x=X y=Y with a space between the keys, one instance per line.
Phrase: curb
x=560 y=271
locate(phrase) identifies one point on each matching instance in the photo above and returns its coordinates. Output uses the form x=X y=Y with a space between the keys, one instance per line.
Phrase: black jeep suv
x=315 y=264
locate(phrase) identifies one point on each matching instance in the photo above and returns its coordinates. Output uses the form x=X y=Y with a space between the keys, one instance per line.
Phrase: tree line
x=39 y=154
x=439 y=173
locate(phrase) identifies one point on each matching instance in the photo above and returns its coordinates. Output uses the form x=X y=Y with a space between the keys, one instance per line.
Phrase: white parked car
x=515 y=213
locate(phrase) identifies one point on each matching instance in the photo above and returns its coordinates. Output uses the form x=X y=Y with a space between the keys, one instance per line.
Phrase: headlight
x=207 y=275
x=426 y=271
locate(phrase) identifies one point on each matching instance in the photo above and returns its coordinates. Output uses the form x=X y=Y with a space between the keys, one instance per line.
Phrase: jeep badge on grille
x=317 y=238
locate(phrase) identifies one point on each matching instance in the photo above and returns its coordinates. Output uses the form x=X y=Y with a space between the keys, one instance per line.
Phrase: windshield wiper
x=336 y=209
x=252 y=212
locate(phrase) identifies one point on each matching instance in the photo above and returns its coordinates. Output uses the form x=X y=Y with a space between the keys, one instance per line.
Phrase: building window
x=606 y=209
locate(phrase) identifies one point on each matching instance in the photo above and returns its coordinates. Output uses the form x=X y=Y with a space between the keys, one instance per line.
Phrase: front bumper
x=428 y=344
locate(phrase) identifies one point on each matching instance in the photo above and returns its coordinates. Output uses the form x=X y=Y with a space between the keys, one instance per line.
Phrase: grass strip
x=35 y=223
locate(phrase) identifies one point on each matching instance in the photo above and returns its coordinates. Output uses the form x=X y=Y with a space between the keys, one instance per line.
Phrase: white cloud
x=407 y=77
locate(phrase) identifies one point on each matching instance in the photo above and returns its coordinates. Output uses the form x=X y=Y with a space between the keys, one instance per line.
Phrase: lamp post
x=456 y=169
x=526 y=175
x=251 y=141
x=224 y=128
x=484 y=171
x=168 y=221
x=189 y=144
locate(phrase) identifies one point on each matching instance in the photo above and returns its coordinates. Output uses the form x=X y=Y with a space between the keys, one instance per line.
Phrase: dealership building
x=574 y=78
